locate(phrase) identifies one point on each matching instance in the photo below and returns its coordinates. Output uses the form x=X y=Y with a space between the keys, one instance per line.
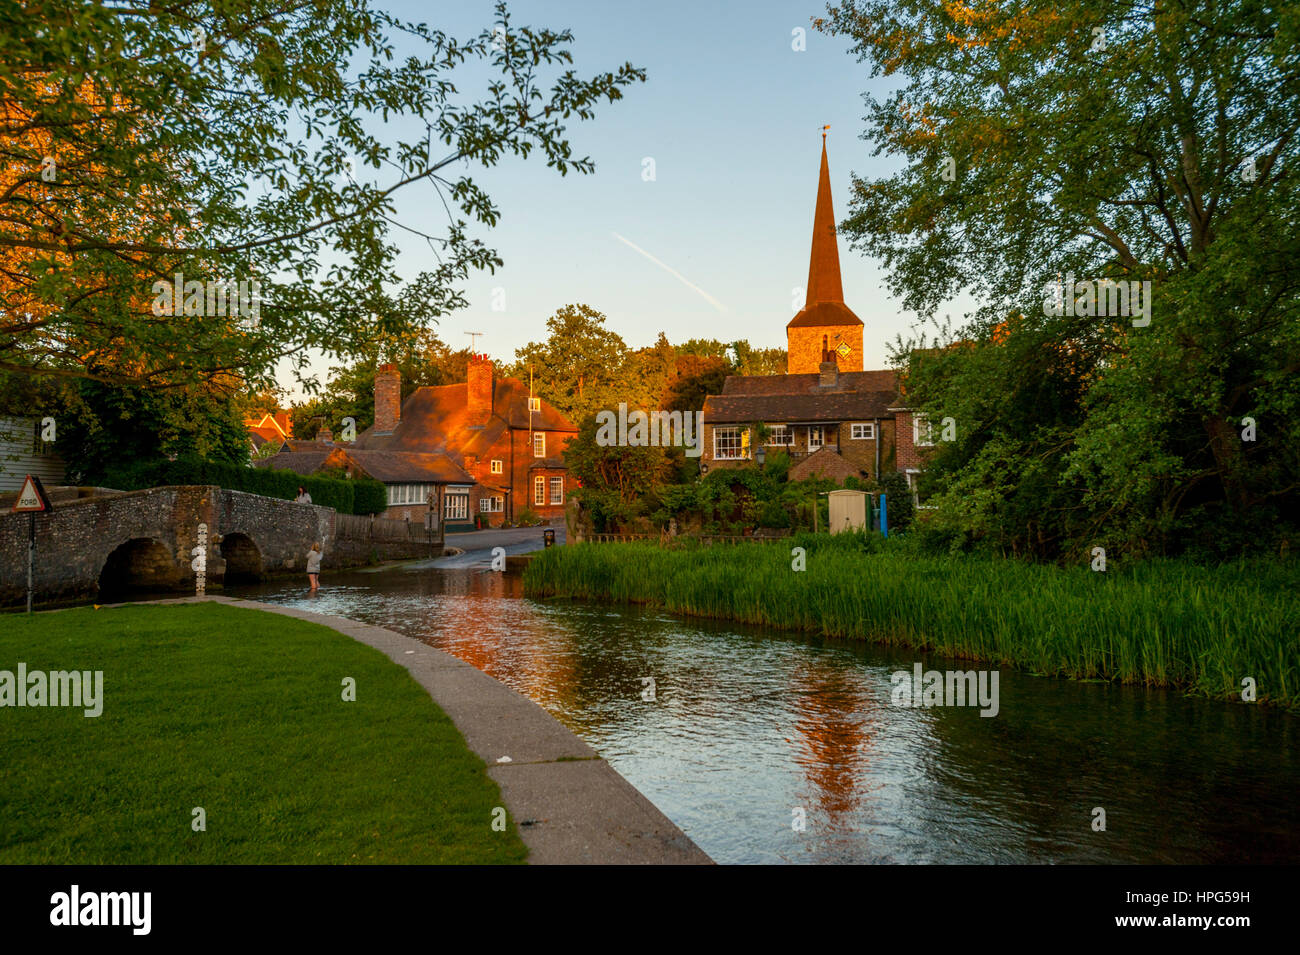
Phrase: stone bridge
x=106 y=546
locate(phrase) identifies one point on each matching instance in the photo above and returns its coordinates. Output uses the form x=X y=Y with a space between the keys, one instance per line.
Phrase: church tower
x=826 y=329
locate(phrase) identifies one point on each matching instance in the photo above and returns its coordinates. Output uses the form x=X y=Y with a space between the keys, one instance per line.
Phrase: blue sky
x=730 y=114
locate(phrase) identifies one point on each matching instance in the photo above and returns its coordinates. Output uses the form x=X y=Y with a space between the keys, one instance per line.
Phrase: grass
x=1165 y=623
x=239 y=712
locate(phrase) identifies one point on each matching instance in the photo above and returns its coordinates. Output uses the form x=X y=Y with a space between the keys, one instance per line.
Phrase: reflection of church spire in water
x=835 y=725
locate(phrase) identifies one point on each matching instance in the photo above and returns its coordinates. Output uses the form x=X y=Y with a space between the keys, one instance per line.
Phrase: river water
x=752 y=731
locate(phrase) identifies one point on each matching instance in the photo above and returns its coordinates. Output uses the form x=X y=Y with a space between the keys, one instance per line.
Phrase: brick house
x=832 y=417
x=486 y=446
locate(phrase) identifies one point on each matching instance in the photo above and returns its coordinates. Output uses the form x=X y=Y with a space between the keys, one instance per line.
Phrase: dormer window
x=534 y=404
x=496 y=465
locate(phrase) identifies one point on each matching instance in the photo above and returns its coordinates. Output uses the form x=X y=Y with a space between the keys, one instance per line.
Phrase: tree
x=1111 y=143
x=579 y=368
x=251 y=141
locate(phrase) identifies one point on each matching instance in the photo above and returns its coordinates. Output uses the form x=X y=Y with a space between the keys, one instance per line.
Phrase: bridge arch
x=140 y=563
x=242 y=556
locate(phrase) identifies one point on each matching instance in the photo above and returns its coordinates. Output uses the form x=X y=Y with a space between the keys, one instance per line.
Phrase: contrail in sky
x=673 y=272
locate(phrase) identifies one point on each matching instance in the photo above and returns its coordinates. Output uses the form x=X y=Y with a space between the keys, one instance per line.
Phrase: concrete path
x=569 y=804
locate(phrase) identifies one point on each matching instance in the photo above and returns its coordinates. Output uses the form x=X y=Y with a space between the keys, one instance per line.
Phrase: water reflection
x=747 y=727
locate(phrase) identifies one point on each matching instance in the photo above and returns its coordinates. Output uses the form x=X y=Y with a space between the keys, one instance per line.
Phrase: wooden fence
x=362 y=527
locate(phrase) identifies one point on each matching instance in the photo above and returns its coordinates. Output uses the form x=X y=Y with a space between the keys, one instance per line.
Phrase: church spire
x=824 y=267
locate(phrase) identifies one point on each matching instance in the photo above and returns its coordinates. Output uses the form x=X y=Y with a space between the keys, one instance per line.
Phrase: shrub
x=355 y=496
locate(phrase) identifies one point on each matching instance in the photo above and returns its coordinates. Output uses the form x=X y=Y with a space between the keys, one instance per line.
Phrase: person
x=303 y=497
x=313 y=567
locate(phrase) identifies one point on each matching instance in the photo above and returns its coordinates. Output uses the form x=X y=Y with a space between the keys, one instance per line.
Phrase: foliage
x=355 y=496
x=1031 y=151
x=247 y=140
x=1164 y=623
x=100 y=425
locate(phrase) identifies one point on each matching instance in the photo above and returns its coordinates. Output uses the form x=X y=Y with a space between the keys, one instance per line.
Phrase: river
x=751 y=733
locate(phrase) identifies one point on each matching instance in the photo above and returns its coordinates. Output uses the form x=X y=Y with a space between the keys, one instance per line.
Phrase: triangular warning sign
x=32 y=496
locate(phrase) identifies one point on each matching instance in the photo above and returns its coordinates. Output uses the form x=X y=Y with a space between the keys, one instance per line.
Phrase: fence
x=687 y=540
x=360 y=527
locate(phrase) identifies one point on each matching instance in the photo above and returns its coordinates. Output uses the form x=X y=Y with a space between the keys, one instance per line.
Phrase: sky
x=717 y=243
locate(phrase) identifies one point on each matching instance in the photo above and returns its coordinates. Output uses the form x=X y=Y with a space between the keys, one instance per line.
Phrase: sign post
x=32 y=501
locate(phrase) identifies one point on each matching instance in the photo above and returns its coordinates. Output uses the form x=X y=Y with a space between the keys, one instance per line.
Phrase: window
x=496 y=465
x=539 y=444
x=557 y=490
x=816 y=436
x=728 y=445
x=780 y=435
x=539 y=490
x=863 y=431
x=456 y=507
x=408 y=494
x=534 y=404
x=491 y=505
x=922 y=431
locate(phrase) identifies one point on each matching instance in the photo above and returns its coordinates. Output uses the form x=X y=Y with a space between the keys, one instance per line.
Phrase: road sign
x=32 y=497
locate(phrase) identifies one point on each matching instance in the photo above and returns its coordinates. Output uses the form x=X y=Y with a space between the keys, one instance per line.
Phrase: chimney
x=325 y=435
x=285 y=422
x=479 y=391
x=830 y=374
x=388 y=399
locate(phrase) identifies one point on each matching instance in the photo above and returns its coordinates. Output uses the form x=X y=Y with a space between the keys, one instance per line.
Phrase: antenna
x=472 y=343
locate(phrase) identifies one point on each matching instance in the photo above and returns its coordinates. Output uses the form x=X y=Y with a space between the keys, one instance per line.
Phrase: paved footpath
x=569 y=805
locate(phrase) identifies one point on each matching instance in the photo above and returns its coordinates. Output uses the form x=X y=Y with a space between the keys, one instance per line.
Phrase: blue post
x=884 y=520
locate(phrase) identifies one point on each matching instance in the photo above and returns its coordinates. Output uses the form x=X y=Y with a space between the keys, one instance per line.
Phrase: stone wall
x=76 y=539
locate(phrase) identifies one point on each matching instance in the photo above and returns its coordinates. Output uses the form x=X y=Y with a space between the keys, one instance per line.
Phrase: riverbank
x=1202 y=630
x=228 y=736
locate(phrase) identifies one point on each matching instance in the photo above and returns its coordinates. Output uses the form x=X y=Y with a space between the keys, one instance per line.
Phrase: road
x=478 y=545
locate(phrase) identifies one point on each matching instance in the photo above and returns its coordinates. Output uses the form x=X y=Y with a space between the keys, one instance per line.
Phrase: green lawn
x=239 y=712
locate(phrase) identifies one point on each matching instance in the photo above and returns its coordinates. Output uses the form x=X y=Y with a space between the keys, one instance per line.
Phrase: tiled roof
x=408 y=467
x=827 y=463
x=300 y=462
x=856 y=396
x=824 y=313
x=435 y=418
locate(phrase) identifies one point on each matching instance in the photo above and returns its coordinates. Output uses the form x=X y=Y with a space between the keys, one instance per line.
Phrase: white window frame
x=539 y=444
x=784 y=431
x=862 y=431
x=491 y=505
x=557 y=491
x=733 y=434
x=455 y=507
x=496 y=465
x=539 y=491
x=821 y=437
x=922 y=425
x=534 y=404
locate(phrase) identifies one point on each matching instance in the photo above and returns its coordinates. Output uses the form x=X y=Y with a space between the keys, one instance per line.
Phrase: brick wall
x=388 y=398
x=479 y=392
x=804 y=347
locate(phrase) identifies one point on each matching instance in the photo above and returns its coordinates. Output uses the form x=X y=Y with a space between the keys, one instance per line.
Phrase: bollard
x=548 y=537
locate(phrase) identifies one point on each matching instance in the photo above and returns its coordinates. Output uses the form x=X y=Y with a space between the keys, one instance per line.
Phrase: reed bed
x=1165 y=623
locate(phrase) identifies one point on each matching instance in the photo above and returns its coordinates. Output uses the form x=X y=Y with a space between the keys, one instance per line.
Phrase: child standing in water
x=313 y=567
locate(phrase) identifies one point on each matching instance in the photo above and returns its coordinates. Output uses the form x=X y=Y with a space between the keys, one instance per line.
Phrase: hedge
x=357 y=496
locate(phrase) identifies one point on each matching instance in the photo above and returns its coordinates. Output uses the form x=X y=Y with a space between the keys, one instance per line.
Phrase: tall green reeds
x=1164 y=623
